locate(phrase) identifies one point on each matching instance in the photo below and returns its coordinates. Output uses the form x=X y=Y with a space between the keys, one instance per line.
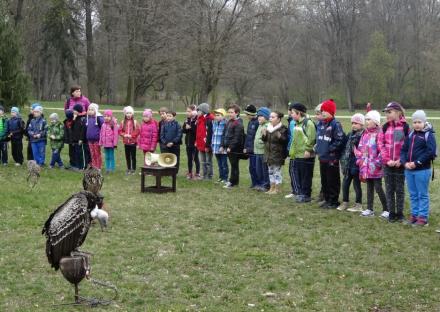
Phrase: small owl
x=33 y=173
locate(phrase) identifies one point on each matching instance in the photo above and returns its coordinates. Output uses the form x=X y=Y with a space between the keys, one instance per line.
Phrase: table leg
x=142 y=182
x=174 y=183
x=158 y=182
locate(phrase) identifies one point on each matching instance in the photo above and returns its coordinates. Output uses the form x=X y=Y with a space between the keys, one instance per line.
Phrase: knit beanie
x=329 y=106
x=35 y=105
x=54 y=116
x=264 y=111
x=128 y=109
x=96 y=109
x=204 y=108
x=38 y=108
x=419 y=115
x=78 y=108
x=147 y=113
x=250 y=110
x=374 y=115
x=15 y=110
x=108 y=112
x=298 y=107
x=358 y=118
x=69 y=114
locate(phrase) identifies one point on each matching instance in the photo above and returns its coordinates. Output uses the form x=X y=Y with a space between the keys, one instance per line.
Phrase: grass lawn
x=205 y=248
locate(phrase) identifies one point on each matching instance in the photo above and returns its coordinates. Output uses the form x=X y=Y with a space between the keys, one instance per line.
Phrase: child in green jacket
x=55 y=133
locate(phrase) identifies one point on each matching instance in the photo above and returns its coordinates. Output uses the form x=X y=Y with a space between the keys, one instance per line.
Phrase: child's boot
x=276 y=189
x=343 y=206
x=356 y=208
x=272 y=188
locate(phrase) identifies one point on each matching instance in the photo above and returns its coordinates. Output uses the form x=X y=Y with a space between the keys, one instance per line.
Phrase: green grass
x=209 y=249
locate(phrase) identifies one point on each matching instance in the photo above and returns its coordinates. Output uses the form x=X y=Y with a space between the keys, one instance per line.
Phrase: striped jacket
x=217 y=135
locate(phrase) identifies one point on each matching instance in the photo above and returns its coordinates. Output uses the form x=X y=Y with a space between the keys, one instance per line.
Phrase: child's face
x=218 y=117
x=163 y=115
x=91 y=111
x=13 y=114
x=318 y=116
x=392 y=115
x=53 y=121
x=418 y=125
x=250 y=117
x=274 y=120
x=296 y=116
x=107 y=118
x=188 y=112
x=232 y=114
x=76 y=93
x=356 y=127
x=146 y=118
x=199 y=113
x=370 y=123
x=36 y=113
x=261 y=120
x=75 y=113
x=170 y=117
x=129 y=115
x=325 y=115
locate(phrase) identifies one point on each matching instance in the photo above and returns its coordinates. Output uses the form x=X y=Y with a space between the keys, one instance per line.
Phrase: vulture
x=92 y=180
x=67 y=227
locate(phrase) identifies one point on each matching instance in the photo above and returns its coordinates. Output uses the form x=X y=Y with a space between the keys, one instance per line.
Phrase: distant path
x=183 y=113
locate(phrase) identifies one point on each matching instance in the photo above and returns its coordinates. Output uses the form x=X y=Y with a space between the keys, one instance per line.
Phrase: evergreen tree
x=14 y=83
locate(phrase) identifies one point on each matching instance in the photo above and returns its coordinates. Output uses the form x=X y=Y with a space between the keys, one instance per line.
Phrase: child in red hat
x=330 y=142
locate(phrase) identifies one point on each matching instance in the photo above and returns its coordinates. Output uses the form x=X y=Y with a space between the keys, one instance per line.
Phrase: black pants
x=175 y=149
x=395 y=190
x=192 y=156
x=72 y=156
x=29 y=154
x=375 y=185
x=346 y=181
x=294 y=184
x=303 y=174
x=81 y=155
x=17 y=151
x=235 y=170
x=130 y=156
x=4 y=152
x=330 y=181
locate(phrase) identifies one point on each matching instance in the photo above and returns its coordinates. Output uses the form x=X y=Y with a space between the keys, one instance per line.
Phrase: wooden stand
x=158 y=172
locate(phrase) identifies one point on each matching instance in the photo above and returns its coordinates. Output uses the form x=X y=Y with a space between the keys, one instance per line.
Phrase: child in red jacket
x=129 y=131
x=203 y=139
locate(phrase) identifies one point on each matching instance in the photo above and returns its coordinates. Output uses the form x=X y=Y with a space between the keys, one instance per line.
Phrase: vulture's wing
x=66 y=229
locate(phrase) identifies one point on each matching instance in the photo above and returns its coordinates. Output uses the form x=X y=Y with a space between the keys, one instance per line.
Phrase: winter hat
x=78 y=108
x=298 y=107
x=374 y=115
x=38 y=108
x=95 y=107
x=54 y=116
x=35 y=105
x=394 y=105
x=15 y=110
x=69 y=114
x=419 y=115
x=204 y=108
x=264 y=111
x=108 y=112
x=358 y=118
x=128 y=109
x=329 y=106
x=250 y=110
x=220 y=111
x=147 y=113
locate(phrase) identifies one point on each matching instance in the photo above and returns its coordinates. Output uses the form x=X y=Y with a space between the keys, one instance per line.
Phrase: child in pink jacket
x=149 y=133
x=370 y=164
x=108 y=139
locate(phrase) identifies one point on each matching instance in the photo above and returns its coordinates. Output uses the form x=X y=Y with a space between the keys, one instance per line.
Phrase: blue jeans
x=253 y=169
x=39 y=152
x=109 y=153
x=222 y=162
x=261 y=171
x=56 y=158
x=417 y=182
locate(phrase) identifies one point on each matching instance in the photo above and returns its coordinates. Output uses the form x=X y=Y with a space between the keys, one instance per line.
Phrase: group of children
x=369 y=152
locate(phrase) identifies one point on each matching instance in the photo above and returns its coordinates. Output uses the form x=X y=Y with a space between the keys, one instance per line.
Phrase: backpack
x=305 y=123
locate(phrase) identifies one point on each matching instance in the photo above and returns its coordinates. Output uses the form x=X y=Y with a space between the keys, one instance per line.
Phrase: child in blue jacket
x=37 y=132
x=416 y=155
x=16 y=128
x=171 y=136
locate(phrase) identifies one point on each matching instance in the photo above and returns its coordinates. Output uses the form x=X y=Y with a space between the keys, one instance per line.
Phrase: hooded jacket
x=275 y=143
x=250 y=135
x=368 y=155
x=148 y=135
x=204 y=132
x=330 y=140
x=37 y=126
x=129 y=127
x=419 y=147
x=391 y=140
x=109 y=134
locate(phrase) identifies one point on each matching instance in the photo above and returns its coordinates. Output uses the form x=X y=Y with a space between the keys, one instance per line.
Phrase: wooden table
x=158 y=172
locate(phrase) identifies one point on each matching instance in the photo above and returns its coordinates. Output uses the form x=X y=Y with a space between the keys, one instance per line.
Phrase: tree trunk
x=91 y=81
x=18 y=14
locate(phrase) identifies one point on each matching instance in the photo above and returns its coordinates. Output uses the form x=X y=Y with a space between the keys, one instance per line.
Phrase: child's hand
x=278 y=134
x=228 y=150
x=80 y=142
x=187 y=126
x=52 y=137
x=391 y=163
x=307 y=154
x=170 y=144
x=221 y=149
x=207 y=149
x=397 y=163
x=244 y=151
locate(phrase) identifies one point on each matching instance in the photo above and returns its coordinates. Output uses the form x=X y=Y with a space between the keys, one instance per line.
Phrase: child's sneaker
x=385 y=215
x=343 y=206
x=421 y=221
x=197 y=177
x=289 y=195
x=17 y=164
x=189 y=176
x=356 y=208
x=228 y=185
x=367 y=213
x=322 y=203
